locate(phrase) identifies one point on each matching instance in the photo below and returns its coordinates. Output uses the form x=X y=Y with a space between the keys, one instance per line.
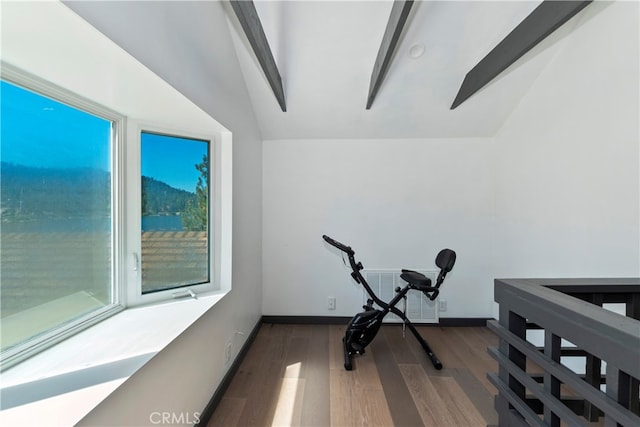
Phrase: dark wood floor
x=293 y=375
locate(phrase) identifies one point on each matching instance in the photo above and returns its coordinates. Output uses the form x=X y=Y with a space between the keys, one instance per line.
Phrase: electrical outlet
x=442 y=305
x=331 y=303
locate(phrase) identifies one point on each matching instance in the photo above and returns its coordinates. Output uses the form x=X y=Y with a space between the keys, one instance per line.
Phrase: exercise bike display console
x=364 y=326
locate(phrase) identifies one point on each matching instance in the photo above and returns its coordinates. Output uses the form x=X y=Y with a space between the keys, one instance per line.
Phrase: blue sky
x=39 y=132
x=172 y=160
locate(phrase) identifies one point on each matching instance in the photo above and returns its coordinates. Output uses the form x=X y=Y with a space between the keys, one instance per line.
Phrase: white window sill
x=64 y=383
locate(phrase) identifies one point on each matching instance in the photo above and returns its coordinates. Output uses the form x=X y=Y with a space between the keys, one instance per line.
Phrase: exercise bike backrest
x=445 y=261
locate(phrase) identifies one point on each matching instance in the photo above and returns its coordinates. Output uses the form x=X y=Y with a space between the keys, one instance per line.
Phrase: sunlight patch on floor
x=289 y=406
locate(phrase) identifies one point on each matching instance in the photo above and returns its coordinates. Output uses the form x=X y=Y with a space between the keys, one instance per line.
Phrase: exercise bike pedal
x=357 y=347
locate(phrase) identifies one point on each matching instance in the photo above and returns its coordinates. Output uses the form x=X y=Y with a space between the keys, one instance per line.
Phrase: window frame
x=134 y=295
x=16 y=354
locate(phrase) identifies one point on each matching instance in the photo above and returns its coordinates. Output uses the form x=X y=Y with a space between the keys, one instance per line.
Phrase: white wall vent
x=419 y=308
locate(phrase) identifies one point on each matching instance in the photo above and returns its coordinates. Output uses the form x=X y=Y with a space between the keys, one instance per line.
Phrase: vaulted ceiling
x=325 y=52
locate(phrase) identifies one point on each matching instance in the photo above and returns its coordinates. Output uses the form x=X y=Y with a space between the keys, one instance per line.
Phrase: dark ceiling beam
x=544 y=20
x=246 y=12
x=397 y=18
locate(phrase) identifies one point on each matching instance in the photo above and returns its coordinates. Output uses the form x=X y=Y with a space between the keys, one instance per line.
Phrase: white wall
x=396 y=202
x=555 y=193
x=567 y=160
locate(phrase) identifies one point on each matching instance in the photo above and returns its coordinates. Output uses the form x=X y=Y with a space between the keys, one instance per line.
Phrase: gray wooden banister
x=568 y=309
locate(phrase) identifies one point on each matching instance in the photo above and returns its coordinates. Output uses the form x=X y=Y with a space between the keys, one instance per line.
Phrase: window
x=57 y=223
x=77 y=242
x=175 y=212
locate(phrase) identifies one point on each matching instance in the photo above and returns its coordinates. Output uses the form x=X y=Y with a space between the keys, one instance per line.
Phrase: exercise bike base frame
x=375 y=321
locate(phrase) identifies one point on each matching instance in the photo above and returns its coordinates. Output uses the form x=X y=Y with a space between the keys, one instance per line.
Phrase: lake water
x=162 y=223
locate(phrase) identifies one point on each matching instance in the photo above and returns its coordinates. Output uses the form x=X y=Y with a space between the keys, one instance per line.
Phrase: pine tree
x=196 y=214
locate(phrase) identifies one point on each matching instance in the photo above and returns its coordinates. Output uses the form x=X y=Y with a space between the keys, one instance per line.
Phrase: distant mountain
x=33 y=193
x=160 y=198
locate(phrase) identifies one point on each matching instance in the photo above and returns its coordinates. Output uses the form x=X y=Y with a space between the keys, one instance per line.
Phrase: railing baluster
x=551 y=384
x=633 y=311
x=593 y=374
x=517 y=326
x=613 y=389
x=502 y=405
x=593 y=369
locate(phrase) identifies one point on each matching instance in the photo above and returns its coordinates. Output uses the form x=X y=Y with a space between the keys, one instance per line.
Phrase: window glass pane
x=55 y=239
x=175 y=216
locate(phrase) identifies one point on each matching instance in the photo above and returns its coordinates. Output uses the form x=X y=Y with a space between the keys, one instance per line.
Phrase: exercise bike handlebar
x=355 y=267
x=336 y=244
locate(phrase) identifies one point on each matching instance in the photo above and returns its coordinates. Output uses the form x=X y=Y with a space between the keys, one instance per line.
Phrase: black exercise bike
x=364 y=326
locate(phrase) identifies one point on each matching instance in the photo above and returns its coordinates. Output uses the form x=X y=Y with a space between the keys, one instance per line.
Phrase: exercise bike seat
x=417 y=280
